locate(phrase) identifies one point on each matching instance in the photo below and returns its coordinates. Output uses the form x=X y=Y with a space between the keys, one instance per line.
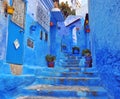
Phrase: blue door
x=15 y=44
x=14 y=53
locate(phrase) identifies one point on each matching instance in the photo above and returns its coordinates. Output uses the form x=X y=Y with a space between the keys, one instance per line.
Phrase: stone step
x=66 y=74
x=83 y=81
x=74 y=69
x=10 y=83
x=38 y=70
x=79 y=74
x=48 y=97
x=80 y=68
x=76 y=60
x=73 y=57
x=74 y=64
x=64 y=91
x=34 y=70
x=90 y=69
x=70 y=65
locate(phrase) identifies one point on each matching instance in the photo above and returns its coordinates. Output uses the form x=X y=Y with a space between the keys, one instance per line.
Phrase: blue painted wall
x=82 y=36
x=4 y=67
x=105 y=33
x=3 y=32
x=55 y=36
x=53 y=30
x=35 y=56
x=13 y=34
x=14 y=55
x=24 y=54
x=64 y=35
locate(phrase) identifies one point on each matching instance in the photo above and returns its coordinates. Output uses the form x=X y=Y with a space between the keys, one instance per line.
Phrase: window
x=30 y=43
x=41 y=35
x=46 y=37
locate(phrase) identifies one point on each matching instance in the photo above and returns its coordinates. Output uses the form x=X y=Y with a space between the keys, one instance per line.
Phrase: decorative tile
x=16 y=44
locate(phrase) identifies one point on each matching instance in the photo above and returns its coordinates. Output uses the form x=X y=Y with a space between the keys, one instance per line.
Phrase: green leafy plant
x=50 y=58
x=66 y=9
x=85 y=52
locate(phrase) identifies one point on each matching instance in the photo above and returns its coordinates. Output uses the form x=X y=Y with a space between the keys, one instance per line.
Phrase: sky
x=83 y=8
x=83 y=2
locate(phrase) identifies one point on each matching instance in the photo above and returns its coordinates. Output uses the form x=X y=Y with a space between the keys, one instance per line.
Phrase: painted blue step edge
x=62 y=93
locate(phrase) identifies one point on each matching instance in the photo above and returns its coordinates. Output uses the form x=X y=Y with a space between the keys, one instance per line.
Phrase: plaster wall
x=3 y=32
x=104 y=16
x=35 y=56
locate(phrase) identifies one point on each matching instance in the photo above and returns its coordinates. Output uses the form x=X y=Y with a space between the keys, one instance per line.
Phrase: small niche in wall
x=30 y=43
x=46 y=37
x=41 y=34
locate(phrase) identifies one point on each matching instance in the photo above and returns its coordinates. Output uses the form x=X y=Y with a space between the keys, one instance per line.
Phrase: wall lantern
x=51 y=23
x=10 y=10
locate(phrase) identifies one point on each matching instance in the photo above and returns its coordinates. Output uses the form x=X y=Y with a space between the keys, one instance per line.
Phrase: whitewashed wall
x=39 y=13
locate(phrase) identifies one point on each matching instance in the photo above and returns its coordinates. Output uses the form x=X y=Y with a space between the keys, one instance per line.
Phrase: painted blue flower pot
x=75 y=50
x=33 y=28
x=88 y=61
x=51 y=64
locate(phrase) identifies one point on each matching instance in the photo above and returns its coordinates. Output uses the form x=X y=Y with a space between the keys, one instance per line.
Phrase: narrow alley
x=59 y=49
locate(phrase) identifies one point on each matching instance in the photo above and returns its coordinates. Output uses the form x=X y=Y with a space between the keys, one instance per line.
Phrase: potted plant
x=88 y=58
x=50 y=60
x=75 y=50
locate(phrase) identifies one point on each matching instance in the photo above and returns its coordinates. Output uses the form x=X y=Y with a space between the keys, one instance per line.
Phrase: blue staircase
x=68 y=80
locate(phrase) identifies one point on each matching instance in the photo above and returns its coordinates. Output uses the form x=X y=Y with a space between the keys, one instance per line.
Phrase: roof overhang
x=71 y=19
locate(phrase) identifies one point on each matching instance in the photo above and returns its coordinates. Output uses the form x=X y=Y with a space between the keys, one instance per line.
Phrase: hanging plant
x=86 y=24
x=85 y=52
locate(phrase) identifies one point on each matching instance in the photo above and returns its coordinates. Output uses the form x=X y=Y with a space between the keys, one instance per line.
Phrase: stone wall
x=104 y=16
